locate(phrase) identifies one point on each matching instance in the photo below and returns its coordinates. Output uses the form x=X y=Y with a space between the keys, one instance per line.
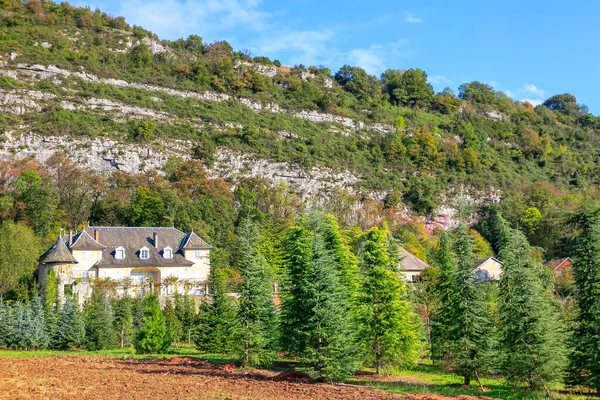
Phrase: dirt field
x=95 y=377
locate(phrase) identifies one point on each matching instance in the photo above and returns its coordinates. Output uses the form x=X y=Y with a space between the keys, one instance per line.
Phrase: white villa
x=144 y=255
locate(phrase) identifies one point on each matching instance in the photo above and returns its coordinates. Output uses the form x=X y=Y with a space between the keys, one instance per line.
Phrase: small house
x=488 y=269
x=410 y=265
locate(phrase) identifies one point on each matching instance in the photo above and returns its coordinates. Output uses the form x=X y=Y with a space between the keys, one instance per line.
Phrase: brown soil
x=95 y=377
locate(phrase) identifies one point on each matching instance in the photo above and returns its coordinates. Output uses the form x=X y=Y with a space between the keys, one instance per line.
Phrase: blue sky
x=530 y=49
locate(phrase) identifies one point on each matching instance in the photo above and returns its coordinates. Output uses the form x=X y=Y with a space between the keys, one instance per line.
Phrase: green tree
x=50 y=300
x=173 y=322
x=185 y=309
x=408 y=88
x=39 y=200
x=388 y=326
x=141 y=56
x=123 y=320
x=217 y=326
x=99 y=330
x=147 y=207
x=584 y=368
x=70 y=333
x=315 y=323
x=256 y=310
x=20 y=250
x=531 y=333
x=153 y=335
x=6 y=324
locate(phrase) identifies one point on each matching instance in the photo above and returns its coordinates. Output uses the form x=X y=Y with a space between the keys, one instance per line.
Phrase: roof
x=132 y=239
x=410 y=262
x=83 y=241
x=58 y=253
x=477 y=263
x=194 y=242
x=558 y=262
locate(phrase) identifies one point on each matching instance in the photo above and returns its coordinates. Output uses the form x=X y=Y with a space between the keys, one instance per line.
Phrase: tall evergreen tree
x=388 y=329
x=153 y=336
x=99 y=330
x=217 y=325
x=531 y=333
x=185 y=309
x=256 y=310
x=51 y=306
x=584 y=366
x=315 y=323
x=6 y=324
x=173 y=322
x=70 y=332
x=123 y=320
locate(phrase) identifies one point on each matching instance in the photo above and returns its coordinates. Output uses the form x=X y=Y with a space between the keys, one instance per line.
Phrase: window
x=197 y=253
x=144 y=253
x=119 y=253
x=87 y=255
x=168 y=252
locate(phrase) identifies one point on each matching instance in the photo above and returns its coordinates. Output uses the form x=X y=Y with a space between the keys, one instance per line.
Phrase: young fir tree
x=389 y=327
x=174 y=325
x=50 y=301
x=70 y=332
x=584 y=366
x=256 y=309
x=216 y=328
x=98 y=319
x=315 y=323
x=463 y=329
x=38 y=330
x=531 y=334
x=153 y=336
x=6 y=324
x=123 y=320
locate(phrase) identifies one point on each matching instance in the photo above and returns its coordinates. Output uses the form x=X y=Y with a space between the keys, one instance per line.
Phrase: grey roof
x=58 y=253
x=194 y=242
x=133 y=239
x=410 y=262
x=83 y=241
x=480 y=261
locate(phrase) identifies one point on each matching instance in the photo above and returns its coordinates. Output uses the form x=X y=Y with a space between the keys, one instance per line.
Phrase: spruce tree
x=50 y=301
x=6 y=324
x=256 y=310
x=389 y=327
x=531 y=334
x=99 y=330
x=216 y=328
x=584 y=366
x=70 y=332
x=174 y=325
x=38 y=329
x=153 y=336
x=123 y=320
x=315 y=322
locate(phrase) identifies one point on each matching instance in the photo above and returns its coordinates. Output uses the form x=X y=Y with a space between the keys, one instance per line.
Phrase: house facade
x=488 y=269
x=161 y=259
x=410 y=266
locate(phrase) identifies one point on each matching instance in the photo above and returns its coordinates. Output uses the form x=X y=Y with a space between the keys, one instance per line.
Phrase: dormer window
x=197 y=254
x=168 y=253
x=119 y=253
x=144 y=253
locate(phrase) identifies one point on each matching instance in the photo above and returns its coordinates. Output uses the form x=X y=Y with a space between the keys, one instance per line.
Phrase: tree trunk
x=467 y=377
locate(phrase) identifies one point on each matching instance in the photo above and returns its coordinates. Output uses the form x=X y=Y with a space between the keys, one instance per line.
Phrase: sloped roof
x=410 y=262
x=59 y=254
x=480 y=261
x=83 y=241
x=557 y=263
x=194 y=242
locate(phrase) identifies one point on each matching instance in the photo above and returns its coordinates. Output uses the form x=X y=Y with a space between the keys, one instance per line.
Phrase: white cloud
x=439 y=80
x=531 y=88
x=533 y=102
x=306 y=47
x=410 y=18
x=509 y=93
x=368 y=59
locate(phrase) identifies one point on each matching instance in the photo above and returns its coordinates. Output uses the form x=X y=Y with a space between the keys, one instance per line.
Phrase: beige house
x=163 y=258
x=410 y=266
x=488 y=269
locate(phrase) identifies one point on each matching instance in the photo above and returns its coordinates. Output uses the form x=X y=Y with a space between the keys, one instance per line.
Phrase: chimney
x=97 y=235
x=155 y=236
x=70 y=237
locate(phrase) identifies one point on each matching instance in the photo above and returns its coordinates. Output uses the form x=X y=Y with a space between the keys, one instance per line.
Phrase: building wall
x=410 y=276
x=201 y=260
x=493 y=269
x=86 y=261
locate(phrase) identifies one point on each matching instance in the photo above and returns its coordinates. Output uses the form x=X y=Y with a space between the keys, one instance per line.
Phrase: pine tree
x=315 y=323
x=188 y=316
x=389 y=328
x=464 y=333
x=38 y=330
x=531 y=334
x=99 y=331
x=123 y=320
x=50 y=301
x=174 y=325
x=584 y=366
x=256 y=311
x=6 y=324
x=70 y=332
x=217 y=326
x=153 y=336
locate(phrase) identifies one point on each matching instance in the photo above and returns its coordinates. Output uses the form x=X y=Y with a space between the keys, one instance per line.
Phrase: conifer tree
x=50 y=301
x=99 y=330
x=388 y=329
x=217 y=325
x=123 y=320
x=256 y=310
x=531 y=333
x=174 y=325
x=153 y=336
x=6 y=324
x=70 y=332
x=38 y=330
x=584 y=366
x=315 y=323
